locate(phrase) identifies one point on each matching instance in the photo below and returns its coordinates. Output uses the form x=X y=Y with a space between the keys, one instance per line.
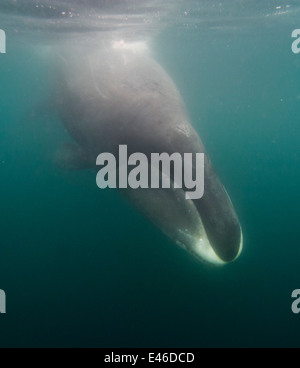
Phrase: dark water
x=81 y=268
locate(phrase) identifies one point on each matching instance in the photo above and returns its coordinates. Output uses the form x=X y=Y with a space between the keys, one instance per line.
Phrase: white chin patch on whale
x=204 y=250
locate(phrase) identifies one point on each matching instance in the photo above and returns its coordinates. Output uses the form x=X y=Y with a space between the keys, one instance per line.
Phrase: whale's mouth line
x=202 y=249
x=205 y=250
x=211 y=256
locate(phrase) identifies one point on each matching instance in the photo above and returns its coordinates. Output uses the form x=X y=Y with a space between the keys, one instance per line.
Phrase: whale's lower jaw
x=204 y=251
x=180 y=220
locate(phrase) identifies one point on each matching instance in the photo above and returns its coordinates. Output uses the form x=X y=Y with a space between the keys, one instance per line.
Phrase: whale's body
x=118 y=95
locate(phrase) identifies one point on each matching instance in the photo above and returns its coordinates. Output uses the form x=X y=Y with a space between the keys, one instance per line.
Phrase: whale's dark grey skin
x=118 y=95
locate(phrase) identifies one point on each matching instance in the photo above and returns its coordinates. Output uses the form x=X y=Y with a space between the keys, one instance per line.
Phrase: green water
x=81 y=268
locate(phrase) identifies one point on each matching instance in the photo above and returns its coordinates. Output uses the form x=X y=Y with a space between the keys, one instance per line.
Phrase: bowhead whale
x=119 y=95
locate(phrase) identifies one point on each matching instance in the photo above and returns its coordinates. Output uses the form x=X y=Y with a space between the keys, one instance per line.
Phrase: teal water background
x=81 y=268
